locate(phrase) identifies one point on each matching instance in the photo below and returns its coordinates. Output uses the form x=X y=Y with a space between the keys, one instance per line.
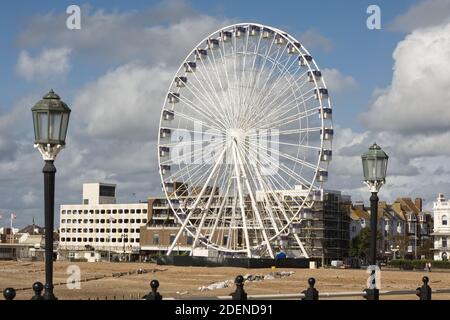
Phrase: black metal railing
x=423 y=292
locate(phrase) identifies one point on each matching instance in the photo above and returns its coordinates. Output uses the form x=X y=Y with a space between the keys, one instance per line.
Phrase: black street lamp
x=374 y=167
x=50 y=120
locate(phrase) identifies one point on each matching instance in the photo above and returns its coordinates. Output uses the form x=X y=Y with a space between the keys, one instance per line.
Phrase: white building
x=441 y=231
x=100 y=223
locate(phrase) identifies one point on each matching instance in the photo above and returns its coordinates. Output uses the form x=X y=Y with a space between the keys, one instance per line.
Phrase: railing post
x=37 y=288
x=372 y=294
x=424 y=292
x=154 y=294
x=9 y=293
x=311 y=293
x=239 y=293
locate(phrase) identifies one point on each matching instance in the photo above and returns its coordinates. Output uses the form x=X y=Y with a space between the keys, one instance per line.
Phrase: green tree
x=361 y=243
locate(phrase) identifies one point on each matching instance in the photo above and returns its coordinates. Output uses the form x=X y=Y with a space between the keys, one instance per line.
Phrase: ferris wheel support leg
x=255 y=206
x=172 y=245
x=302 y=248
x=241 y=202
x=202 y=221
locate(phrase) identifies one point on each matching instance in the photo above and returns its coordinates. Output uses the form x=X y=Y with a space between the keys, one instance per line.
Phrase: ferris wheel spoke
x=257 y=79
x=186 y=156
x=207 y=97
x=268 y=101
x=272 y=69
x=285 y=169
x=288 y=157
x=276 y=111
x=202 y=110
x=275 y=83
x=219 y=104
x=279 y=121
x=288 y=132
x=225 y=97
x=195 y=120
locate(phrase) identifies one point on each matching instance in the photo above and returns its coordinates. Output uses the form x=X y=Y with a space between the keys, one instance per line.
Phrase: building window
x=138 y=210
x=108 y=211
x=102 y=230
x=63 y=221
x=156 y=239
x=102 y=220
x=137 y=240
x=125 y=230
x=138 y=220
x=63 y=212
x=189 y=240
x=120 y=211
x=97 y=221
x=172 y=238
x=131 y=220
x=114 y=230
x=144 y=211
x=444 y=242
x=90 y=239
x=132 y=211
x=225 y=240
x=126 y=211
x=113 y=239
x=444 y=220
x=119 y=230
x=85 y=201
x=102 y=211
x=114 y=211
x=144 y=220
x=97 y=212
x=125 y=221
x=353 y=228
x=120 y=220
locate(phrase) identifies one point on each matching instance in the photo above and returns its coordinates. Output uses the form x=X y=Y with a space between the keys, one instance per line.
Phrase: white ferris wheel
x=244 y=142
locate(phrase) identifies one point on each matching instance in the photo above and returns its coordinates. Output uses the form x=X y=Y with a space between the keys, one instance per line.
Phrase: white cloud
x=417 y=99
x=425 y=14
x=125 y=103
x=161 y=34
x=312 y=38
x=50 y=62
x=338 y=82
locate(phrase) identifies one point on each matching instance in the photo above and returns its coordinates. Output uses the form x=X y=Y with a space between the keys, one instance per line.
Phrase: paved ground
x=186 y=280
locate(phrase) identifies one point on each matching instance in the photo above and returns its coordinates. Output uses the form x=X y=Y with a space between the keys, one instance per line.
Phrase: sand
x=184 y=282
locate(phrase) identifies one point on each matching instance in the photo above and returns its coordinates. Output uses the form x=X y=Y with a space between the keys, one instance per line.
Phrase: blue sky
x=377 y=86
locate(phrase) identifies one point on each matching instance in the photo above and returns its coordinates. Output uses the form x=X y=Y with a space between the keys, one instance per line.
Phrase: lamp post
x=374 y=164
x=50 y=120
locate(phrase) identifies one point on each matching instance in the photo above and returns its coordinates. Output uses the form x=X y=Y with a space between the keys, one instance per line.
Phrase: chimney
x=418 y=203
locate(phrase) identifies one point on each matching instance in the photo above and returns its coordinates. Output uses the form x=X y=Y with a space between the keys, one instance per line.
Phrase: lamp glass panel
x=54 y=126
x=42 y=119
x=36 y=127
x=365 y=169
x=371 y=169
x=64 y=125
